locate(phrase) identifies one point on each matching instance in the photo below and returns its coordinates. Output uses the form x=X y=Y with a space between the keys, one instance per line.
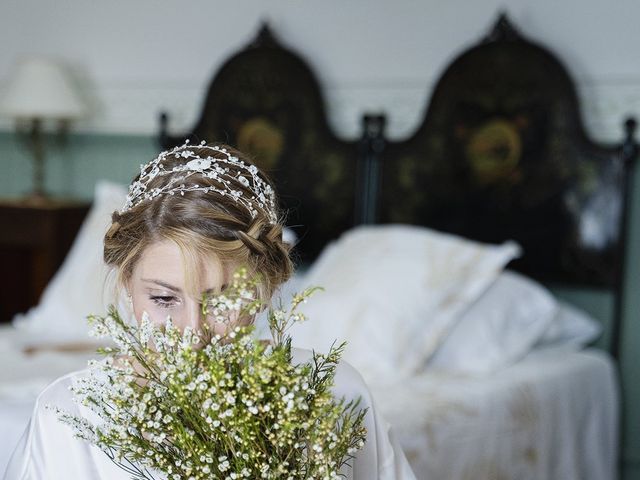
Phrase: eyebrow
x=175 y=289
x=162 y=284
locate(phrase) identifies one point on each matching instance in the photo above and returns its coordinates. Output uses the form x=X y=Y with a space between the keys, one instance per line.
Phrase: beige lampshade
x=40 y=87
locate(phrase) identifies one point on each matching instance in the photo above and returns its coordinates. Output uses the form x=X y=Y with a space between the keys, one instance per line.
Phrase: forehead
x=165 y=261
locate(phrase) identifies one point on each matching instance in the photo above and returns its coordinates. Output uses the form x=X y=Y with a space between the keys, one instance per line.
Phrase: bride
x=191 y=217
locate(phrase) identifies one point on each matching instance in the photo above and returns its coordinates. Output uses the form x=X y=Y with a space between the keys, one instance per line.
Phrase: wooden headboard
x=501 y=153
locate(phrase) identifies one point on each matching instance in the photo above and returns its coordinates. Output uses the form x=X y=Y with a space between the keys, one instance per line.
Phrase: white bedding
x=553 y=415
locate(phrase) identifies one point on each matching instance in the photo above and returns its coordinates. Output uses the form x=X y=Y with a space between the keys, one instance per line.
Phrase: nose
x=193 y=314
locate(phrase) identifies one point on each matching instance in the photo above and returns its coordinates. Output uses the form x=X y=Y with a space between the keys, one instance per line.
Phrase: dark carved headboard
x=266 y=101
x=502 y=154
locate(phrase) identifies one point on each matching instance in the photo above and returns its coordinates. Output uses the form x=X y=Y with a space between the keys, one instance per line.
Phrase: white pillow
x=499 y=328
x=77 y=288
x=394 y=292
x=515 y=316
x=571 y=327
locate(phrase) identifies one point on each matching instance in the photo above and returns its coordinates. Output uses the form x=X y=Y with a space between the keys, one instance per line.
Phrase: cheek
x=219 y=329
x=139 y=307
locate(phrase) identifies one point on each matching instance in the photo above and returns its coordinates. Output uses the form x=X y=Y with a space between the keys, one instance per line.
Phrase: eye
x=164 y=301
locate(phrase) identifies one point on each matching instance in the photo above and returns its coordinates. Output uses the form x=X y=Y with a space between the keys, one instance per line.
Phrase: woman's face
x=159 y=287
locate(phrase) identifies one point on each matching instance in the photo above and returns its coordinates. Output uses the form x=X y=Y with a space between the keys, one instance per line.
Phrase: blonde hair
x=203 y=225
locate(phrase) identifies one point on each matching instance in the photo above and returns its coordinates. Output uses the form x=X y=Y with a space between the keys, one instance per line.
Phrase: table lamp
x=40 y=90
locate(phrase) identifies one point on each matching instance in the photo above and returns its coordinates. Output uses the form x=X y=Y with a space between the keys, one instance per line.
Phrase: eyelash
x=163 y=301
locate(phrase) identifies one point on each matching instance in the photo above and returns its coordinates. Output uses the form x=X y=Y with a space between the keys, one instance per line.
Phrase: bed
x=501 y=154
x=483 y=374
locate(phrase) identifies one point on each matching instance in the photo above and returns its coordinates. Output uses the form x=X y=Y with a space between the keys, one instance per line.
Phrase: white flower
x=224 y=465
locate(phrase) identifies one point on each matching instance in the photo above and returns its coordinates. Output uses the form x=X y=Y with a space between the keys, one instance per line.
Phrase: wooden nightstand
x=35 y=236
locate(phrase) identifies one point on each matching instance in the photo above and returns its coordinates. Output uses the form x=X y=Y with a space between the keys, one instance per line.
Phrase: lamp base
x=30 y=131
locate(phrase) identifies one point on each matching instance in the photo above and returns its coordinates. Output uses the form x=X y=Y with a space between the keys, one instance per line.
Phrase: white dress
x=48 y=451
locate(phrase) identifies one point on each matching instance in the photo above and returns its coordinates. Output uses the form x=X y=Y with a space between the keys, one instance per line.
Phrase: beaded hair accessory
x=211 y=167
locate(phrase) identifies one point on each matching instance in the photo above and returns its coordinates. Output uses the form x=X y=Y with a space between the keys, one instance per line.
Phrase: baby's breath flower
x=234 y=407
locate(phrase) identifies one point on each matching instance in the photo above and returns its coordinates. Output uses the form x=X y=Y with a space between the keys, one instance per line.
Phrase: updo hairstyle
x=202 y=224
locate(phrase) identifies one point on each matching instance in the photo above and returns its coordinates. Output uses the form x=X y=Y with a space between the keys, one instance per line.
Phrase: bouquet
x=196 y=405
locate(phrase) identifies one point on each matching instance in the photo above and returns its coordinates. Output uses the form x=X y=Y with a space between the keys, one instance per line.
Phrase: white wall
x=141 y=56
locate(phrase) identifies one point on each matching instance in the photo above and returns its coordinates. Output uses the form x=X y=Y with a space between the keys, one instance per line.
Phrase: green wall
x=73 y=169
